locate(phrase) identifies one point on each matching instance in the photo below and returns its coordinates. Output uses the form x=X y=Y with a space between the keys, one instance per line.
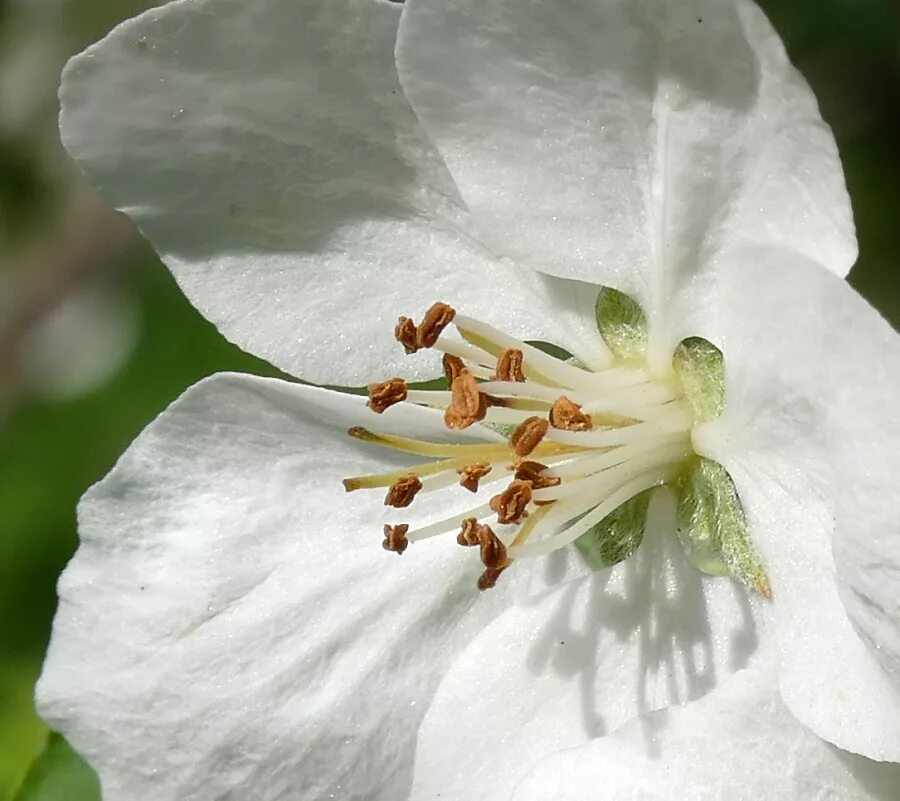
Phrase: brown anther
x=493 y=551
x=471 y=474
x=488 y=579
x=436 y=319
x=510 y=504
x=567 y=415
x=469 y=534
x=528 y=435
x=395 y=538
x=402 y=491
x=386 y=394
x=531 y=472
x=509 y=366
x=405 y=334
x=453 y=367
x=467 y=405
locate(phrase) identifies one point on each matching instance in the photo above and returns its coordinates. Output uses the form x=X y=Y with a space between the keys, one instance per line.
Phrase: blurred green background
x=95 y=338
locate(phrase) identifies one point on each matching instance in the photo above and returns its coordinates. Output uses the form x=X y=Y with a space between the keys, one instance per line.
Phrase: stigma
x=575 y=443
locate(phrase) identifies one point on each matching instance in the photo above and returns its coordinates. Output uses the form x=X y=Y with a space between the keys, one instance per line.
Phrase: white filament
x=640 y=446
x=612 y=502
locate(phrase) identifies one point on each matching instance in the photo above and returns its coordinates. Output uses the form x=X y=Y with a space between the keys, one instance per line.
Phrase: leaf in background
x=23 y=734
x=59 y=774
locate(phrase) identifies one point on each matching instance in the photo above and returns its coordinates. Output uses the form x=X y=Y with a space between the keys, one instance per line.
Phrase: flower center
x=577 y=443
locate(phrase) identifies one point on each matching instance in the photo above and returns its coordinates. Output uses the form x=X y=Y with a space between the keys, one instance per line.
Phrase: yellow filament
x=526 y=404
x=493 y=451
x=457 y=456
x=611 y=420
x=386 y=479
x=533 y=519
x=421 y=448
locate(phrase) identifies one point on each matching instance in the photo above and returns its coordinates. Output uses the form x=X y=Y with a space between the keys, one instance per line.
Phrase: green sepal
x=712 y=527
x=617 y=536
x=701 y=368
x=622 y=324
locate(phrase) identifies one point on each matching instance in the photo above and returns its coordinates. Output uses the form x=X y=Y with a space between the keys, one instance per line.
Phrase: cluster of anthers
x=577 y=444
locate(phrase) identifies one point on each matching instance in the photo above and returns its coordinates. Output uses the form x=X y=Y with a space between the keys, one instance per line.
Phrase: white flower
x=230 y=628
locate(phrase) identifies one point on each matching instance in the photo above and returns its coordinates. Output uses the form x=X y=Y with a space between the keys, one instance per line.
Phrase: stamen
x=679 y=419
x=594 y=460
x=386 y=394
x=468 y=405
x=541 y=366
x=480 y=372
x=528 y=435
x=647 y=394
x=395 y=538
x=529 y=526
x=510 y=504
x=619 y=473
x=627 y=402
x=529 y=389
x=567 y=415
x=488 y=579
x=493 y=551
x=429 y=397
x=583 y=440
x=386 y=479
x=595 y=515
x=532 y=473
x=469 y=534
x=471 y=474
x=507 y=416
x=453 y=367
x=474 y=357
x=405 y=334
x=402 y=491
x=522 y=404
x=436 y=319
x=422 y=448
x=509 y=366
x=560 y=512
x=447 y=524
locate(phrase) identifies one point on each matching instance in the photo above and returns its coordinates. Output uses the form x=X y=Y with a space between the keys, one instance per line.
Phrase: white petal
x=624 y=143
x=577 y=659
x=737 y=744
x=231 y=627
x=267 y=152
x=812 y=440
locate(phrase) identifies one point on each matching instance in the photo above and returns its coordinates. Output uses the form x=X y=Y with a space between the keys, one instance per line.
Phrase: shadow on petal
x=682 y=631
x=577 y=656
